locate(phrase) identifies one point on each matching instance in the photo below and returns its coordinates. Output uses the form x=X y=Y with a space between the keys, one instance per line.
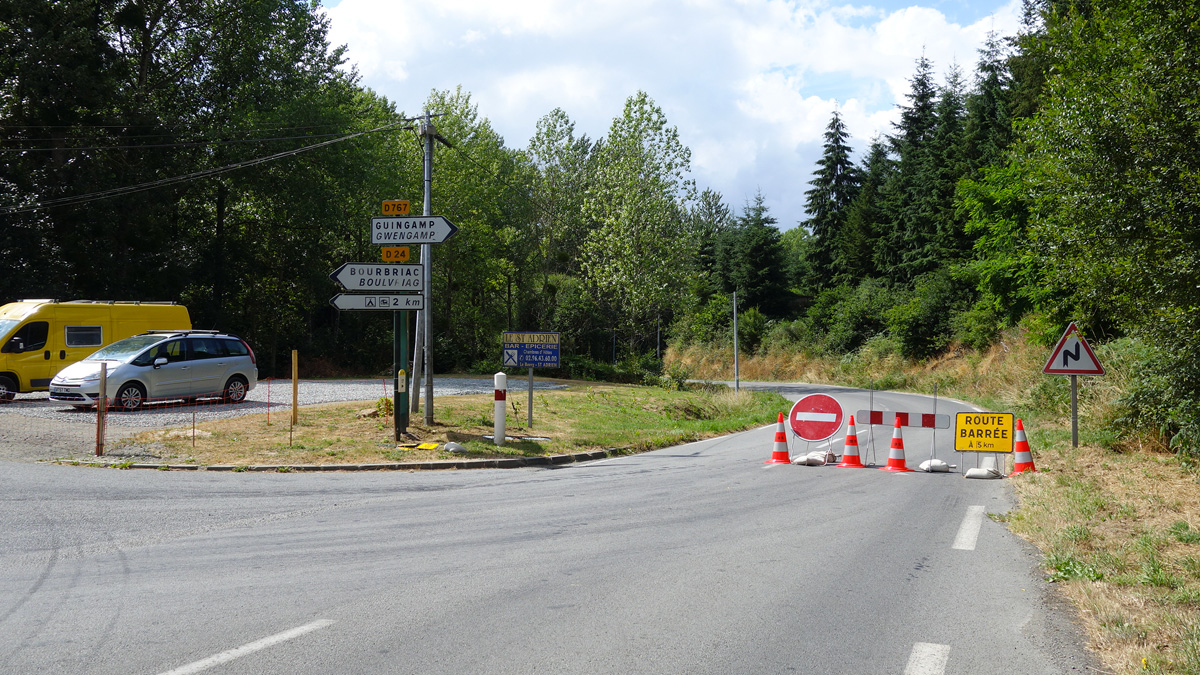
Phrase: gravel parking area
x=34 y=428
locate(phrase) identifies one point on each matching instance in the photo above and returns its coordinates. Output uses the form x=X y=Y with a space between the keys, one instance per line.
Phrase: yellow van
x=38 y=338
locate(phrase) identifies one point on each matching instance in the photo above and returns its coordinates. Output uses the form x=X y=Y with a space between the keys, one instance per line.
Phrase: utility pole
x=428 y=132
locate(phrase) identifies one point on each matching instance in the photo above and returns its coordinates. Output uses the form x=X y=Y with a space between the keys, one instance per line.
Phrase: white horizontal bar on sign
x=888 y=417
x=815 y=417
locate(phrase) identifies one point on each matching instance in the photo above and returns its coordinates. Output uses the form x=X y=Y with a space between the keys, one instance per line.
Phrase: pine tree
x=853 y=258
x=752 y=260
x=835 y=183
x=909 y=219
x=988 y=130
x=947 y=243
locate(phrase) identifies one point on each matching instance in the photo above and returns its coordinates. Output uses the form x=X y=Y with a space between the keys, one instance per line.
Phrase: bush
x=752 y=326
x=924 y=324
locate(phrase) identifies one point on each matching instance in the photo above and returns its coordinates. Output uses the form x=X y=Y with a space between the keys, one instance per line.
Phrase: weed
x=283 y=469
x=1065 y=566
x=1183 y=532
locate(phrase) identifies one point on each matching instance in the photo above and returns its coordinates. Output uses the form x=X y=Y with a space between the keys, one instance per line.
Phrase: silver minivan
x=161 y=365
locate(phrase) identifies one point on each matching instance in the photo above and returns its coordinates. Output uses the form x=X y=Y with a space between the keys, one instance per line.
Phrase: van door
x=78 y=342
x=29 y=355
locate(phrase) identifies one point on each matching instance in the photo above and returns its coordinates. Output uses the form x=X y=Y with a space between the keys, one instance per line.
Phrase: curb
x=498 y=463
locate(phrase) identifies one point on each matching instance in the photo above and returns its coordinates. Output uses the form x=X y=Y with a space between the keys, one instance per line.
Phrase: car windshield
x=6 y=325
x=123 y=349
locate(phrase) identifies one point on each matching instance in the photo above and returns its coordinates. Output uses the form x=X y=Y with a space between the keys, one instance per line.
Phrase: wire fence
x=34 y=427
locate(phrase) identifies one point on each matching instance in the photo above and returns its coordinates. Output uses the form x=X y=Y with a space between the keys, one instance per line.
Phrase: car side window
x=173 y=351
x=205 y=348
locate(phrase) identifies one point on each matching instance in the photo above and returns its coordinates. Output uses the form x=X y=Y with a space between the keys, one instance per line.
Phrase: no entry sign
x=816 y=417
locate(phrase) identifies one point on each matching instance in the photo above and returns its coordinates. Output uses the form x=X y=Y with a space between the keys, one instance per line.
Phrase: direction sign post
x=1073 y=356
x=411 y=230
x=816 y=417
x=368 y=301
x=354 y=276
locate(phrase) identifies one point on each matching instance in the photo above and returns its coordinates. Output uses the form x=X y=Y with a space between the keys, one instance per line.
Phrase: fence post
x=101 y=408
x=295 y=387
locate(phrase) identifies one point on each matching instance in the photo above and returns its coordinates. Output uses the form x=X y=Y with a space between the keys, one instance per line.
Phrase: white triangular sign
x=1073 y=356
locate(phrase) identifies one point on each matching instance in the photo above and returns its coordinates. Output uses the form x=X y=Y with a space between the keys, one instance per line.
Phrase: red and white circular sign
x=816 y=417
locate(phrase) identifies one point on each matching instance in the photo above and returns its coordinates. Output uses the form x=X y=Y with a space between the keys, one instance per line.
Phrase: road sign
x=983 y=432
x=391 y=303
x=395 y=253
x=395 y=207
x=411 y=230
x=379 y=277
x=816 y=417
x=530 y=350
x=1073 y=356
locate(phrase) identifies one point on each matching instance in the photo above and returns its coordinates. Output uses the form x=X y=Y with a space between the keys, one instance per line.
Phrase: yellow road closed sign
x=983 y=432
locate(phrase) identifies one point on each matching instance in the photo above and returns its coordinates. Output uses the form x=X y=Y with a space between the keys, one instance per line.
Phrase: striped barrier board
x=925 y=420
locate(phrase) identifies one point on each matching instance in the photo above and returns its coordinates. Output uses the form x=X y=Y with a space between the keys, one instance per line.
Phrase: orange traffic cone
x=1023 y=460
x=850 y=458
x=896 y=454
x=780 y=454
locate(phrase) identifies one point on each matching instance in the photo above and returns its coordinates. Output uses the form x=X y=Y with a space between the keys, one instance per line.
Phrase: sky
x=749 y=84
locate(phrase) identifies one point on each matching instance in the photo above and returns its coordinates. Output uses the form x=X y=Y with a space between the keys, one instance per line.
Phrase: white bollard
x=501 y=382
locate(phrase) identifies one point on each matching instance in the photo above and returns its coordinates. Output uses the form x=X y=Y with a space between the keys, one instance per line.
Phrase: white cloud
x=750 y=83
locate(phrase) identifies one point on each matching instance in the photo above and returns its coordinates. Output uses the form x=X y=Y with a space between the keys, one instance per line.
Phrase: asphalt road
x=693 y=559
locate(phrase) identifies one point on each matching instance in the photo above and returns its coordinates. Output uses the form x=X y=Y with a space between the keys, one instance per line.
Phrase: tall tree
x=948 y=242
x=853 y=255
x=901 y=247
x=988 y=124
x=1112 y=156
x=639 y=199
x=752 y=260
x=835 y=183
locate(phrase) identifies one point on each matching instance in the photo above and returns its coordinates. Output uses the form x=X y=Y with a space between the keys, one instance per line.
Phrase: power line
x=206 y=173
x=190 y=144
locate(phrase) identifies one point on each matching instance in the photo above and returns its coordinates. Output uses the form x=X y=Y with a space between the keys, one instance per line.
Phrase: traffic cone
x=850 y=459
x=896 y=454
x=780 y=454
x=1023 y=460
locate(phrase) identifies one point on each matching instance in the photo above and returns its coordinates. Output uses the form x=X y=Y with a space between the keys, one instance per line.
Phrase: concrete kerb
x=499 y=463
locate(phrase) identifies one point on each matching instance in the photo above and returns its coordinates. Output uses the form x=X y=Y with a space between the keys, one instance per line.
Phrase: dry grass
x=582 y=418
x=1117 y=518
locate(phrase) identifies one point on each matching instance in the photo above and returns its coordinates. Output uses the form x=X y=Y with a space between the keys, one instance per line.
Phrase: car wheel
x=8 y=389
x=235 y=390
x=131 y=396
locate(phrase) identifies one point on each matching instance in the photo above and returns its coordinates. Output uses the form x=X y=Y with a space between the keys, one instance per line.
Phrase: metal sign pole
x=428 y=131
x=1074 y=411
x=736 y=374
x=933 y=432
x=531 y=397
x=400 y=384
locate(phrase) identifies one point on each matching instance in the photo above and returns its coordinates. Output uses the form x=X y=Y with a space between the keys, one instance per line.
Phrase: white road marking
x=927 y=658
x=815 y=417
x=238 y=652
x=968 y=532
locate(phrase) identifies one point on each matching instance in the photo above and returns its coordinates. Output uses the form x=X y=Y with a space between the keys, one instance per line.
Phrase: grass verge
x=616 y=418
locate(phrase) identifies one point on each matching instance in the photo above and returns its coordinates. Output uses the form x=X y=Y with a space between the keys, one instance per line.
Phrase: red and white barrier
x=906 y=419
